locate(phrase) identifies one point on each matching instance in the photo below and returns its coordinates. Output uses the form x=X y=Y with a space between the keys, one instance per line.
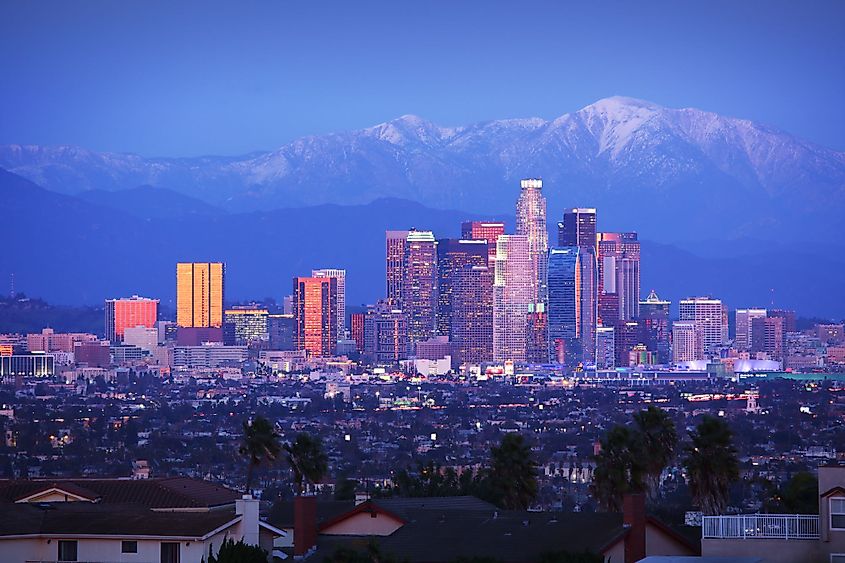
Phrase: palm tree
x=711 y=464
x=307 y=460
x=659 y=440
x=260 y=443
x=620 y=468
x=513 y=473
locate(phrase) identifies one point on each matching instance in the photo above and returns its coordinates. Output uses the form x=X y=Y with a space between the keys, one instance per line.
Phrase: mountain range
x=672 y=174
x=81 y=249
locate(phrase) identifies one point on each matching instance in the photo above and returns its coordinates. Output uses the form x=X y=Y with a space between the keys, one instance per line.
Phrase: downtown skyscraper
x=395 y=265
x=131 y=312
x=656 y=330
x=531 y=223
x=315 y=315
x=419 y=285
x=484 y=230
x=199 y=294
x=618 y=268
x=472 y=316
x=571 y=311
x=453 y=255
x=710 y=319
x=513 y=291
x=340 y=276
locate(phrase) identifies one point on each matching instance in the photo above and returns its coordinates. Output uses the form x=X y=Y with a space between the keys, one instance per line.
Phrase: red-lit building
x=127 y=313
x=357 y=329
x=315 y=315
x=484 y=230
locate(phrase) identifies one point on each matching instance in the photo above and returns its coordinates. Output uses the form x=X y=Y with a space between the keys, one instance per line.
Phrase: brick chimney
x=634 y=516
x=304 y=524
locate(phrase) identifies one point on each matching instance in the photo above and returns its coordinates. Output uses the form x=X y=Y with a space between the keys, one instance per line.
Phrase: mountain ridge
x=626 y=156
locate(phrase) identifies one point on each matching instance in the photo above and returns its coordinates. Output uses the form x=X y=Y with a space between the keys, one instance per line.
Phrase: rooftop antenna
x=12 y=285
x=773 y=297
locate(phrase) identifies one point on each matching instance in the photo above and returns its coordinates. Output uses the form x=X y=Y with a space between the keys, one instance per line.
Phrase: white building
x=210 y=355
x=143 y=337
x=744 y=320
x=513 y=290
x=710 y=317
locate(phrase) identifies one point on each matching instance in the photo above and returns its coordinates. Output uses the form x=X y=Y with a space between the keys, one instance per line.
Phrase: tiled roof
x=83 y=518
x=170 y=492
x=443 y=535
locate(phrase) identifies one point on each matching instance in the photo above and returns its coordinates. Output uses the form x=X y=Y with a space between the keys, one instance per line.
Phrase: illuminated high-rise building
x=605 y=347
x=745 y=327
x=340 y=275
x=419 y=285
x=537 y=334
x=385 y=334
x=578 y=228
x=249 y=323
x=618 y=270
x=687 y=342
x=453 y=255
x=711 y=318
x=315 y=315
x=356 y=324
x=199 y=294
x=395 y=265
x=564 y=305
x=654 y=319
x=627 y=335
x=121 y=314
x=787 y=316
x=484 y=230
x=531 y=223
x=513 y=290
x=472 y=316
x=768 y=336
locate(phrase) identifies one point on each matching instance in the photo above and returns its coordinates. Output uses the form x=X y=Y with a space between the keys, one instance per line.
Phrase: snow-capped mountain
x=667 y=172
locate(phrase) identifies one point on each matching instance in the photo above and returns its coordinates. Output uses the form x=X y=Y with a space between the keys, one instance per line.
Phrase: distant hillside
x=23 y=315
x=72 y=251
x=148 y=202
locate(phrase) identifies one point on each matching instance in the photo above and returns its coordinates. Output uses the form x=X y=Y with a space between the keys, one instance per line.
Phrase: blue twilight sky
x=178 y=78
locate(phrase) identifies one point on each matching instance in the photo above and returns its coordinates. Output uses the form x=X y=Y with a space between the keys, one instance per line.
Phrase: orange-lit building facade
x=356 y=320
x=199 y=294
x=315 y=315
x=127 y=313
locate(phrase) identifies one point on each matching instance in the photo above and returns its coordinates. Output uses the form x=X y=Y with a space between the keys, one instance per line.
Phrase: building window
x=169 y=552
x=129 y=547
x=67 y=550
x=837 y=558
x=837 y=513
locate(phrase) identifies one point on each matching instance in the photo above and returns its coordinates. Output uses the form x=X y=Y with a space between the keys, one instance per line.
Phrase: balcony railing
x=761 y=526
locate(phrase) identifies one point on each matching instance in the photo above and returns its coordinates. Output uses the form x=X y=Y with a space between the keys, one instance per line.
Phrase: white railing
x=768 y=526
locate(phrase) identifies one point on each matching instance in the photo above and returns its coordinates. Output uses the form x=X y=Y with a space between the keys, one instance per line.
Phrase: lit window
x=837 y=513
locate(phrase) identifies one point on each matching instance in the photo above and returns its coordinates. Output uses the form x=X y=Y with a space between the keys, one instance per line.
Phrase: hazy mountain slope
x=70 y=251
x=148 y=202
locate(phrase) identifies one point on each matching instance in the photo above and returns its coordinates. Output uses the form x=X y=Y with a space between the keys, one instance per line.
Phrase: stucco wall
x=363 y=524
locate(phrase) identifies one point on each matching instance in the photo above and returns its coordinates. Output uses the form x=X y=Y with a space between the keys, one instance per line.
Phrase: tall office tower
x=356 y=323
x=453 y=255
x=578 y=228
x=710 y=317
x=512 y=293
x=744 y=327
x=396 y=241
x=340 y=276
x=618 y=267
x=567 y=317
x=419 y=285
x=687 y=342
x=127 y=313
x=249 y=323
x=627 y=335
x=315 y=315
x=788 y=319
x=605 y=347
x=472 y=316
x=531 y=223
x=484 y=230
x=281 y=331
x=654 y=318
x=768 y=336
x=199 y=294
x=537 y=334
x=385 y=334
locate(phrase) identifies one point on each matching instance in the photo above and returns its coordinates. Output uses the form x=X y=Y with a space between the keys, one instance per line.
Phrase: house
x=171 y=520
x=793 y=538
x=449 y=528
